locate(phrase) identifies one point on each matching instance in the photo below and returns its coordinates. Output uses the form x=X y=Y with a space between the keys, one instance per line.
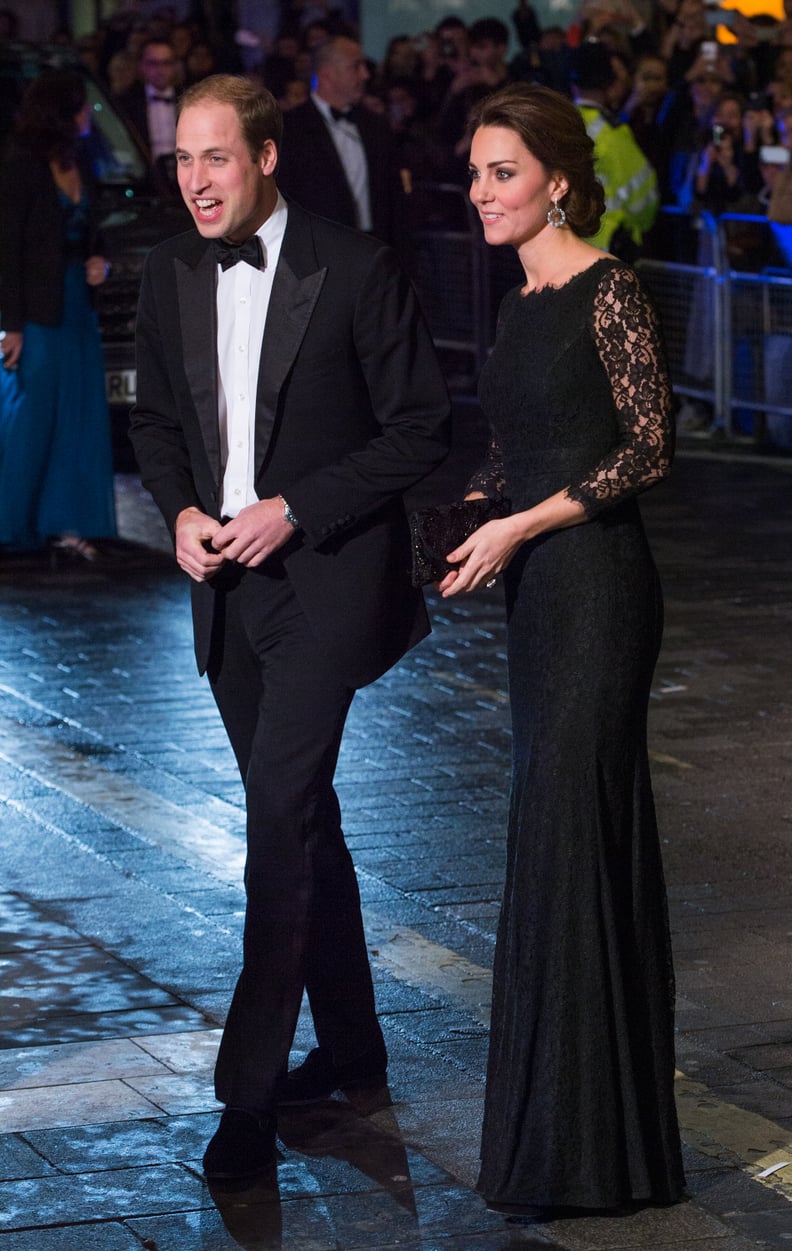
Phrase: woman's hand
x=96 y=270
x=484 y=555
x=11 y=346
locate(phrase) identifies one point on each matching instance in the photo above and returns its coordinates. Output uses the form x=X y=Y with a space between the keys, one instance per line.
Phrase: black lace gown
x=579 y=1101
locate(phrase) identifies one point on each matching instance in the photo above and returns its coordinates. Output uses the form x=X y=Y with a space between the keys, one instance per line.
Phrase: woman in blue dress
x=56 y=480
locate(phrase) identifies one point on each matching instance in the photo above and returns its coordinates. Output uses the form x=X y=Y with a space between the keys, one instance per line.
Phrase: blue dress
x=56 y=474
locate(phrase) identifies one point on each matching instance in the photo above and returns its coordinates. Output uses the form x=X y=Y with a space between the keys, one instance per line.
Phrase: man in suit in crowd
x=288 y=394
x=150 y=106
x=338 y=157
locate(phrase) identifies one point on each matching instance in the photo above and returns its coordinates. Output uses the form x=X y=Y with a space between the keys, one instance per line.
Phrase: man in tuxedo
x=288 y=394
x=150 y=106
x=338 y=158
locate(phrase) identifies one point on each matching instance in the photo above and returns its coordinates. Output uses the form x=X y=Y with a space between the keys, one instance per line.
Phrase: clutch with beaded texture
x=434 y=532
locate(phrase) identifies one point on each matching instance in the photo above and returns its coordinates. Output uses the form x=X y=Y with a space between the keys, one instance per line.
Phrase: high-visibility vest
x=628 y=180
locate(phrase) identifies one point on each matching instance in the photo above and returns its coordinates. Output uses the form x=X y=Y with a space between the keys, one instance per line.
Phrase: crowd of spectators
x=712 y=118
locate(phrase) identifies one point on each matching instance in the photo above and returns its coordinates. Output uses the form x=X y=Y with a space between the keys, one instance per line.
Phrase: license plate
x=121 y=386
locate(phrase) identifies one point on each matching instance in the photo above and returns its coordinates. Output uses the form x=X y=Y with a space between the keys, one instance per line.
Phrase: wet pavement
x=121 y=828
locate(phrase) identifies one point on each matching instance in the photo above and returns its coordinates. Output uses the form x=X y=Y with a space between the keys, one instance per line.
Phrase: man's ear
x=268 y=158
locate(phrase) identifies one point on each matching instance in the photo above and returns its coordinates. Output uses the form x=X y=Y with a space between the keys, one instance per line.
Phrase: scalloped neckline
x=524 y=295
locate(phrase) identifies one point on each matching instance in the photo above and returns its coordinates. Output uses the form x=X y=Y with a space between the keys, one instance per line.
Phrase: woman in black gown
x=579 y=1108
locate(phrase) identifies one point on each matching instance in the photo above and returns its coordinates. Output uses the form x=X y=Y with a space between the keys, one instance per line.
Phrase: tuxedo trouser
x=284 y=708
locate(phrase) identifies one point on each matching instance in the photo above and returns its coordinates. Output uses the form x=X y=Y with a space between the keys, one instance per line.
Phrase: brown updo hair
x=552 y=129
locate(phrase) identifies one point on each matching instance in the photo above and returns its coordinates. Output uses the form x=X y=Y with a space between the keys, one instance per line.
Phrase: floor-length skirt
x=579 y=1102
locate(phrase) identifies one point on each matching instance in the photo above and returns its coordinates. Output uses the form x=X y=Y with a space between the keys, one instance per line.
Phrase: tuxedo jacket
x=351 y=410
x=133 y=103
x=310 y=170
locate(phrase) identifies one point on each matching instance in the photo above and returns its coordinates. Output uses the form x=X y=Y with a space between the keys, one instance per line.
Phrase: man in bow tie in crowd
x=150 y=107
x=338 y=157
x=288 y=394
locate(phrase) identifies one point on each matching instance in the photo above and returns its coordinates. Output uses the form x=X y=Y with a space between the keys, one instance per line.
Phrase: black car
x=135 y=214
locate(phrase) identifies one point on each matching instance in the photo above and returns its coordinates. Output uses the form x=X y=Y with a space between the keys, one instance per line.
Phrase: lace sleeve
x=628 y=341
x=489 y=477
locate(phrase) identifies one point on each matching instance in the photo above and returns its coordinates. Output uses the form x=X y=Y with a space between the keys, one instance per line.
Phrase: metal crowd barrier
x=459 y=279
x=727 y=320
x=723 y=292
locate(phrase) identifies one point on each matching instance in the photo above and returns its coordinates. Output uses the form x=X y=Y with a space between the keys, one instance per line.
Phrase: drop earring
x=556 y=215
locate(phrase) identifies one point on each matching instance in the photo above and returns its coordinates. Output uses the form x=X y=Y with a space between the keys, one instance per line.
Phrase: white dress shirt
x=161 y=114
x=349 y=146
x=243 y=296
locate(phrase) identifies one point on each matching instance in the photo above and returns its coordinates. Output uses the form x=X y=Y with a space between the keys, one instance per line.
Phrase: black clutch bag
x=434 y=532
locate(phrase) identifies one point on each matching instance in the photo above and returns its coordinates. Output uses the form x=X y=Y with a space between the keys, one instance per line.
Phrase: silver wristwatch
x=289 y=515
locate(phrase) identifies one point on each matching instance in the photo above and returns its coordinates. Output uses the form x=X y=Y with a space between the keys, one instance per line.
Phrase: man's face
x=158 y=66
x=453 y=43
x=346 y=75
x=228 y=193
x=486 y=53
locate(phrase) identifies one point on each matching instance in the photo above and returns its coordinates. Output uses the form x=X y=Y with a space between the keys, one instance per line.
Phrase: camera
x=717 y=135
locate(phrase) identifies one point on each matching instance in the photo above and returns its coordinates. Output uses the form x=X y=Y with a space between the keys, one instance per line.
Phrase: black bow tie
x=227 y=254
x=162 y=99
x=342 y=115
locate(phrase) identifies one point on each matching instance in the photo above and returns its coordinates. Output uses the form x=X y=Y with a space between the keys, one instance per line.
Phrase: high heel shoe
x=71 y=545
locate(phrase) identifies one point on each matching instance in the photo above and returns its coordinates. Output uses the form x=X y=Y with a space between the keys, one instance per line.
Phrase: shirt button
x=242 y=395
x=241 y=347
x=240 y=443
x=243 y=300
x=237 y=491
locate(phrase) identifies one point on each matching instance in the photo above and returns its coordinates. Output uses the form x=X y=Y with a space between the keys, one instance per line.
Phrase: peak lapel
x=196 y=288
x=292 y=302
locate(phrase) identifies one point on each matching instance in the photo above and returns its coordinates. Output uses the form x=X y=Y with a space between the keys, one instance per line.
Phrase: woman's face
x=510 y=189
x=704 y=92
x=82 y=120
x=651 y=80
x=729 y=115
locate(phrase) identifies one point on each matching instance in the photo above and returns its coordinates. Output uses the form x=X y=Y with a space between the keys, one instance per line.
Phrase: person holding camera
x=727 y=171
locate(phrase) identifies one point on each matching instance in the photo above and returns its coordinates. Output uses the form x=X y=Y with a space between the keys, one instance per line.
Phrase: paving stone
x=18 y=1159
x=107 y=1236
x=88 y=1026
x=179 y=1093
x=117 y=1145
x=73 y=1063
x=77 y=1104
x=88 y=1197
x=304 y=1228
x=683 y=1225
x=764 y=1059
x=762 y=1095
x=773 y=1229
x=74 y=979
x=24 y=926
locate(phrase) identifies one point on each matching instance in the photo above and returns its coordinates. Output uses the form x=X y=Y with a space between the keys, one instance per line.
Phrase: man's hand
x=255 y=533
x=193 y=530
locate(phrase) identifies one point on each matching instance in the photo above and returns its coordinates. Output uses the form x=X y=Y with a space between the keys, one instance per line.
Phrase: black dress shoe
x=243 y=1146
x=318 y=1076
